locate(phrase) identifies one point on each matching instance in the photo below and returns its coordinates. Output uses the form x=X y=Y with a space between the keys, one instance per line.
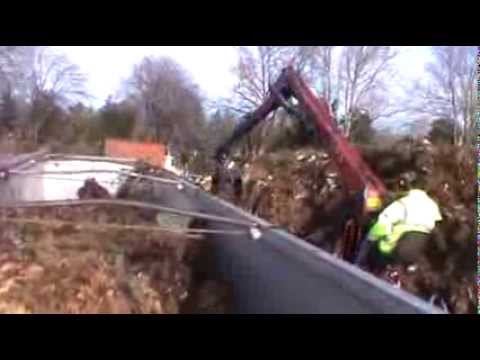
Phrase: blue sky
x=210 y=66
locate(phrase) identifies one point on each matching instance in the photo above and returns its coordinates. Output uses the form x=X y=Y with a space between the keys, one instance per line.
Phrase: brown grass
x=64 y=269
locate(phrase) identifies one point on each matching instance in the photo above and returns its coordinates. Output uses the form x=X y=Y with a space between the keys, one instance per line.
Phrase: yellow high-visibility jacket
x=414 y=212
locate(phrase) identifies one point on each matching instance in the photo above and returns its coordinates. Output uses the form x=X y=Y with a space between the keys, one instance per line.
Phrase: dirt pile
x=287 y=188
x=301 y=191
x=68 y=260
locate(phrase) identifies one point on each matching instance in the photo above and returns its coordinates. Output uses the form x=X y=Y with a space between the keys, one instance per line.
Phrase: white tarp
x=40 y=187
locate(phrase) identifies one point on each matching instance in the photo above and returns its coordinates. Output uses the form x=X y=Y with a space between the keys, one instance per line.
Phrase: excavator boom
x=364 y=188
x=355 y=173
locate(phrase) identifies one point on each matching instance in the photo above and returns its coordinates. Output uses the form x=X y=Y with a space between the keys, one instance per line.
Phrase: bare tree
x=363 y=73
x=354 y=76
x=6 y=63
x=11 y=66
x=53 y=82
x=326 y=66
x=13 y=75
x=450 y=92
x=258 y=67
x=442 y=131
x=170 y=104
x=41 y=81
x=54 y=74
x=8 y=109
x=6 y=100
x=357 y=76
x=318 y=65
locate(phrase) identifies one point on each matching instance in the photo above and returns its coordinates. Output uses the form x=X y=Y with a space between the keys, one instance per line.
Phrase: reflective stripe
x=388 y=244
x=378 y=231
x=392 y=215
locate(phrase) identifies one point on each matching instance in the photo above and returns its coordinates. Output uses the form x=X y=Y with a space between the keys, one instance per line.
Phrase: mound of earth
x=68 y=259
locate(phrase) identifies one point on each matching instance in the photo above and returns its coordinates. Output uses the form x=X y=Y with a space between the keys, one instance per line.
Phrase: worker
x=401 y=231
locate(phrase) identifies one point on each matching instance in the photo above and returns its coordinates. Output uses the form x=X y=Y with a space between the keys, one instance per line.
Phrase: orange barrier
x=151 y=153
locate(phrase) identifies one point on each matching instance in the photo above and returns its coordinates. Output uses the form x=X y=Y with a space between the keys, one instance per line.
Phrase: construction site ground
x=301 y=191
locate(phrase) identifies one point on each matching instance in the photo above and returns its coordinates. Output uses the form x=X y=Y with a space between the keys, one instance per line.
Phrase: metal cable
x=130 y=203
x=125 y=173
x=66 y=157
x=111 y=182
x=101 y=226
x=119 y=172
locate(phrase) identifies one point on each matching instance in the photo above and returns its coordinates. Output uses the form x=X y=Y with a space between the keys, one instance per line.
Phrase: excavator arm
x=355 y=173
x=252 y=119
x=364 y=189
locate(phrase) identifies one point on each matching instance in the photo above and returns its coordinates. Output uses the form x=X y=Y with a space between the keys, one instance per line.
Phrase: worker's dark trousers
x=410 y=247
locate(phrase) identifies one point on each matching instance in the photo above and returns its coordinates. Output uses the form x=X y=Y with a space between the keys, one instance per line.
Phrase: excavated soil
x=65 y=259
x=302 y=192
